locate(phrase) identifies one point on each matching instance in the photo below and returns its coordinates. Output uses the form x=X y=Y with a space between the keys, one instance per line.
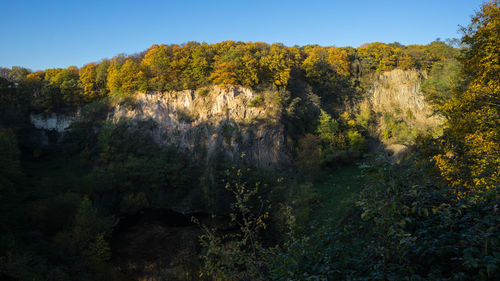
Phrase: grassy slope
x=336 y=194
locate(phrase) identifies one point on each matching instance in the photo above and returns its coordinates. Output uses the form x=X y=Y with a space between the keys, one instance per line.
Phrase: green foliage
x=426 y=227
x=406 y=225
x=256 y=102
x=336 y=141
x=384 y=57
x=240 y=255
x=356 y=141
x=397 y=129
x=364 y=118
x=132 y=165
x=404 y=228
x=296 y=200
x=300 y=115
x=443 y=79
x=328 y=128
x=66 y=82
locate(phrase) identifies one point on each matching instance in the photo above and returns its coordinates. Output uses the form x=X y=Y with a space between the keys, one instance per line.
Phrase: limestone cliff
x=398 y=91
x=216 y=123
x=54 y=121
x=213 y=123
x=401 y=109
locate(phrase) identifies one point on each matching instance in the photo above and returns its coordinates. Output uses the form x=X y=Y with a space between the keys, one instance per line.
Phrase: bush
x=405 y=227
x=397 y=129
x=203 y=92
x=356 y=142
x=238 y=255
x=256 y=102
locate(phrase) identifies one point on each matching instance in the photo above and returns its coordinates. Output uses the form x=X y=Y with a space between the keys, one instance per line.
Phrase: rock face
x=214 y=123
x=54 y=121
x=399 y=91
x=218 y=123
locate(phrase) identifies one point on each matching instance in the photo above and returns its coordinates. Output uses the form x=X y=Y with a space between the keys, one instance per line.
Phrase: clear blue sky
x=44 y=34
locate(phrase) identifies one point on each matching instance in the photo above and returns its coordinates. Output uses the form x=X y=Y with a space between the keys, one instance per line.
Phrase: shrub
x=203 y=92
x=238 y=255
x=356 y=141
x=256 y=102
x=397 y=129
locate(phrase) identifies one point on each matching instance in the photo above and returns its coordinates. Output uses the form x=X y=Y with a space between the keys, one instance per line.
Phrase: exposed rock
x=213 y=122
x=54 y=121
x=398 y=91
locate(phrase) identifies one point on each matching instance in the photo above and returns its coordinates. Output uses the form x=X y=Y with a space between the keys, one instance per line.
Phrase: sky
x=46 y=34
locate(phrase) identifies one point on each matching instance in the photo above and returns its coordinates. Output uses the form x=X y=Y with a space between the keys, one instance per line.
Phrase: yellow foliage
x=470 y=160
x=126 y=77
x=224 y=73
x=339 y=60
x=88 y=76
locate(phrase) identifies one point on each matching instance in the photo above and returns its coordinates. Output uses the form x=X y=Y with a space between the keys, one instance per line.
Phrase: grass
x=336 y=194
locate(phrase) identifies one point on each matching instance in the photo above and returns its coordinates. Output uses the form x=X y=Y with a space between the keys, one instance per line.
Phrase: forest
x=107 y=199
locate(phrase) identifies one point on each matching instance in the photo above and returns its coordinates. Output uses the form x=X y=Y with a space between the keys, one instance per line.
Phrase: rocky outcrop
x=213 y=123
x=398 y=91
x=52 y=122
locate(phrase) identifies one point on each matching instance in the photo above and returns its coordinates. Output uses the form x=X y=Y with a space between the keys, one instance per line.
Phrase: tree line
x=194 y=65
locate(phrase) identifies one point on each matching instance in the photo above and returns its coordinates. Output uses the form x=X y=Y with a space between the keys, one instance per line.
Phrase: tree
x=157 y=60
x=101 y=77
x=327 y=68
x=239 y=255
x=125 y=76
x=87 y=81
x=470 y=159
x=279 y=63
x=65 y=81
x=133 y=79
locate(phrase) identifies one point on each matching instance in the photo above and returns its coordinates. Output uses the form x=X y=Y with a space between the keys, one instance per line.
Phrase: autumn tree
x=327 y=69
x=372 y=54
x=93 y=80
x=87 y=81
x=280 y=61
x=60 y=89
x=125 y=76
x=201 y=64
x=227 y=63
x=101 y=77
x=470 y=160
x=157 y=59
